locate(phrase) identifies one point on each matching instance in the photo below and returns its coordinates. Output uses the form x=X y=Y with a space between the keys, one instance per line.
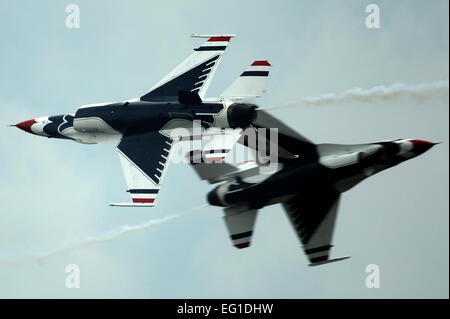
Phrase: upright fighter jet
x=307 y=181
x=141 y=128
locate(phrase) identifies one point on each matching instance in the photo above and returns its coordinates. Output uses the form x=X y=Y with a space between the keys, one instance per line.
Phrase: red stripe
x=243 y=245
x=219 y=39
x=265 y=63
x=143 y=200
x=213 y=159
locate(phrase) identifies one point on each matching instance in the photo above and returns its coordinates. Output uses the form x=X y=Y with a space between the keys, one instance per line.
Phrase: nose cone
x=26 y=126
x=421 y=146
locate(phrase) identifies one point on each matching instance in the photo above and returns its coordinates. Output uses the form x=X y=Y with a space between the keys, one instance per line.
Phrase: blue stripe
x=211 y=48
x=143 y=191
x=255 y=73
x=241 y=235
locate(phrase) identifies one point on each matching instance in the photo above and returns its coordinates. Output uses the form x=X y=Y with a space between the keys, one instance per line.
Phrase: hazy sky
x=56 y=192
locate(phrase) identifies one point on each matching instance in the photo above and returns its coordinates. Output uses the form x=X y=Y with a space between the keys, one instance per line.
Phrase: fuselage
x=97 y=123
x=140 y=117
x=339 y=167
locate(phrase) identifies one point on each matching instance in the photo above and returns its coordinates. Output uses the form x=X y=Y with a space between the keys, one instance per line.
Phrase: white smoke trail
x=417 y=92
x=108 y=237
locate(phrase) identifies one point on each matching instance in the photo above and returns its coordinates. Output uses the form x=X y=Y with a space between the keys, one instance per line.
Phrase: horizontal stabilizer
x=240 y=222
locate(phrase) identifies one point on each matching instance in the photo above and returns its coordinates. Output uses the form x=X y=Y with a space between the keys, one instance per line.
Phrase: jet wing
x=290 y=144
x=264 y=119
x=194 y=74
x=313 y=217
x=144 y=158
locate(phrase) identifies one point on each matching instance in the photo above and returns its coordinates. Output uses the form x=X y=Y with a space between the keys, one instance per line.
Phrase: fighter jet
x=307 y=181
x=141 y=128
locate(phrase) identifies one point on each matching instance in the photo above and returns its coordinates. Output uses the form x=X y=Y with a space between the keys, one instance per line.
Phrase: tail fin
x=194 y=74
x=208 y=162
x=213 y=172
x=250 y=84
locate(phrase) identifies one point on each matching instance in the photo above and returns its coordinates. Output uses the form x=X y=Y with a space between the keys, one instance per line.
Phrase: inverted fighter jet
x=141 y=128
x=307 y=180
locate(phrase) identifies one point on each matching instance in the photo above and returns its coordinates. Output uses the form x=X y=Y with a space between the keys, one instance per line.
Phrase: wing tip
x=261 y=63
x=209 y=36
x=242 y=245
x=127 y=204
x=328 y=261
